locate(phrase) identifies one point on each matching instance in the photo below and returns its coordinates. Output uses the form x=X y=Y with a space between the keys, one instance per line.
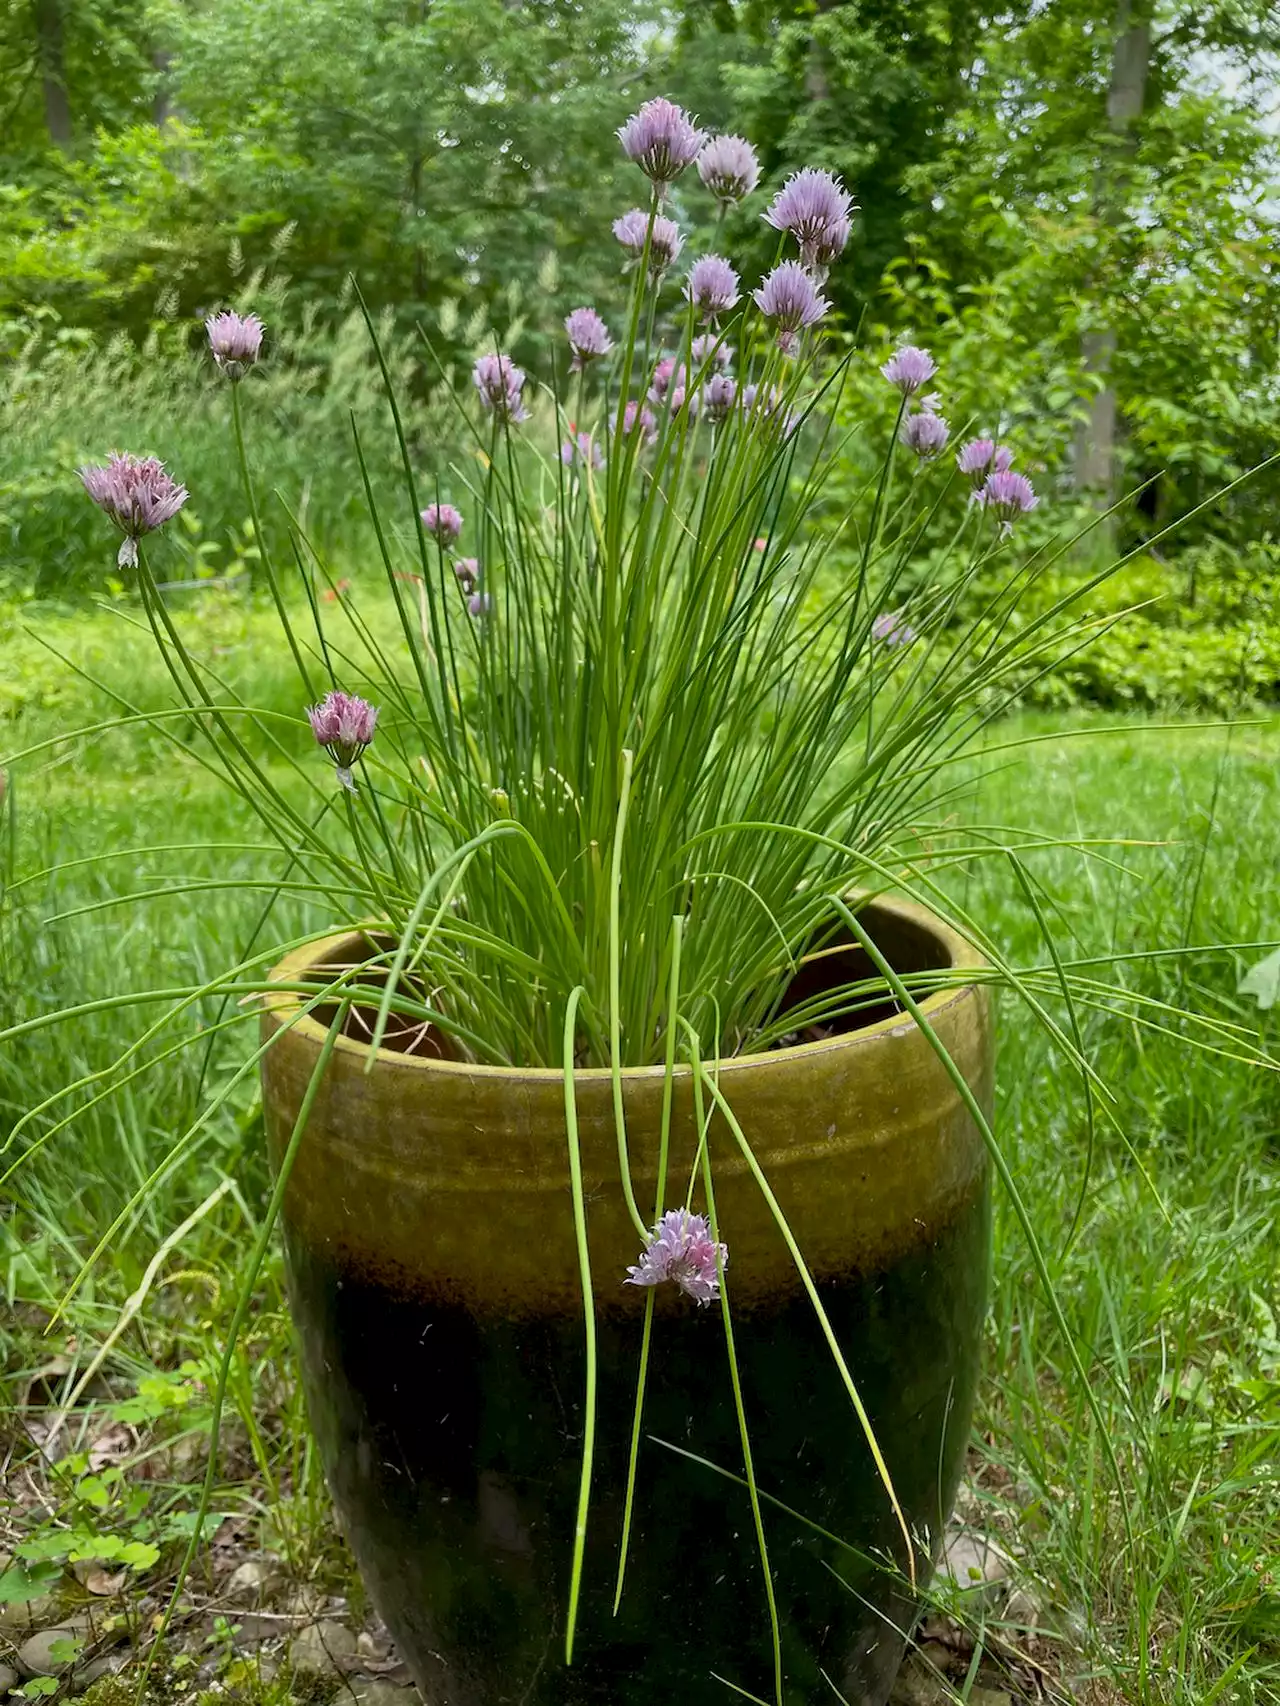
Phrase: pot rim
x=286 y=1005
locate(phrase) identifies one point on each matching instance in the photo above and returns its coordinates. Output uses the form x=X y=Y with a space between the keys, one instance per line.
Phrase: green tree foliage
x=866 y=88
x=71 y=67
x=1072 y=203
x=1039 y=225
x=439 y=150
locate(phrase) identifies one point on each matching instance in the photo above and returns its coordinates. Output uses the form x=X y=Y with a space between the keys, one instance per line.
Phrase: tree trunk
x=47 y=16
x=162 y=108
x=1096 y=437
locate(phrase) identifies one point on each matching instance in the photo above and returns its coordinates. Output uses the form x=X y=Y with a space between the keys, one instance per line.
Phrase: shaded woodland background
x=1075 y=204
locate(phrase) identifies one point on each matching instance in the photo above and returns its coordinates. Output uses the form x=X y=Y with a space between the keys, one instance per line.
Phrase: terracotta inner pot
x=436 y=1289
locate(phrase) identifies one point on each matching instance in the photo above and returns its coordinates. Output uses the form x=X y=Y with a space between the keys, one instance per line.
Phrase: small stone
x=250 y=1582
x=974 y=1564
x=106 y=1664
x=36 y=1654
x=19 y=1620
x=321 y=1649
x=382 y=1693
x=936 y=1657
x=918 y=1685
x=252 y=1626
x=306 y=1602
x=8 y=1678
x=1022 y=1610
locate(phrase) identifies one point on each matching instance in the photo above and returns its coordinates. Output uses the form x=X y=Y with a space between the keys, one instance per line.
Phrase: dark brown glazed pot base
x=452 y=1446
x=435 y=1287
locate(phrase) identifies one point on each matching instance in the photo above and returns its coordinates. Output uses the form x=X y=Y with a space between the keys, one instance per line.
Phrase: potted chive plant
x=630 y=1116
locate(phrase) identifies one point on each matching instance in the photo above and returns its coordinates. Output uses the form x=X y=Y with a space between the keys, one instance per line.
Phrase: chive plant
x=620 y=621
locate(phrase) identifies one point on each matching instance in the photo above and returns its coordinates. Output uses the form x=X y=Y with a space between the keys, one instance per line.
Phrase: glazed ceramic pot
x=435 y=1288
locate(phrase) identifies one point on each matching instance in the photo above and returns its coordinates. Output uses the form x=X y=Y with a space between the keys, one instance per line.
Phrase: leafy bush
x=1199 y=633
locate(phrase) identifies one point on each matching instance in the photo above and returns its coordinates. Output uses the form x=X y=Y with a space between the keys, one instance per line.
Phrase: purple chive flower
x=814 y=207
x=718 y=396
x=636 y=418
x=711 y=348
x=344 y=725
x=892 y=629
x=443 y=522
x=931 y=404
x=662 y=140
x=729 y=168
x=665 y=241
x=467 y=573
x=926 y=434
x=712 y=286
x=500 y=383
x=581 y=447
x=827 y=246
x=983 y=456
x=235 y=342
x=660 y=382
x=910 y=369
x=1008 y=496
x=137 y=493
x=588 y=337
x=682 y=1250
x=789 y=296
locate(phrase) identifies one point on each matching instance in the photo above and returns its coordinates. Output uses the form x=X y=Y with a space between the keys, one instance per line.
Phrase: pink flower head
x=729 y=168
x=1008 y=496
x=682 y=1250
x=814 y=207
x=713 y=349
x=344 y=725
x=660 y=383
x=235 y=342
x=910 y=369
x=665 y=241
x=480 y=604
x=581 y=447
x=718 y=396
x=712 y=286
x=789 y=296
x=982 y=456
x=467 y=572
x=137 y=493
x=926 y=434
x=500 y=384
x=662 y=140
x=635 y=418
x=443 y=522
x=588 y=337
x=892 y=630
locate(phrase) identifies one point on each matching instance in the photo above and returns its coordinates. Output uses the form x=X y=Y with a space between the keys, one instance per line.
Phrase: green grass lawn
x=1158 y=1217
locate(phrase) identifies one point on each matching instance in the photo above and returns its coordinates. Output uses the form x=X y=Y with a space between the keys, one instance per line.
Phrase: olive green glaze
x=435 y=1287
x=455 y=1180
